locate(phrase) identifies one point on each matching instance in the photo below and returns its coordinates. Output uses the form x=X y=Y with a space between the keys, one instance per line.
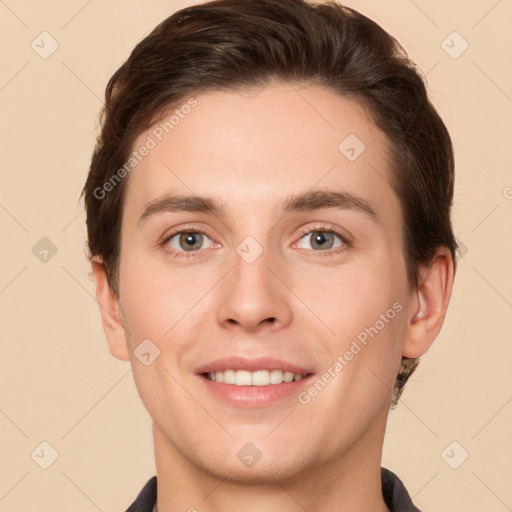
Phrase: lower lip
x=254 y=396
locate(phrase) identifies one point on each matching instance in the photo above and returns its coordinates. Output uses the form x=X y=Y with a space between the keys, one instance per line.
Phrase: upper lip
x=251 y=365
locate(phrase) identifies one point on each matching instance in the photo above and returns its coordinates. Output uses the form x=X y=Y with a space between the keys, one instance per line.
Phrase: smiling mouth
x=256 y=378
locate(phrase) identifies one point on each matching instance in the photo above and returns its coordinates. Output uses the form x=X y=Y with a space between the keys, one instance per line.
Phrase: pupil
x=190 y=240
x=321 y=240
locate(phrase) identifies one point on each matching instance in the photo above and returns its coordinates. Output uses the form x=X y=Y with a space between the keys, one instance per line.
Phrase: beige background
x=60 y=384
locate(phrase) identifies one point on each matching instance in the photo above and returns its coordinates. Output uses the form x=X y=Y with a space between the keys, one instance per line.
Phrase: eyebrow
x=307 y=201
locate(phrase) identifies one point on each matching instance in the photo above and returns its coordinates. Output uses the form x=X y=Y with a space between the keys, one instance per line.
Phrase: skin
x=250 y=151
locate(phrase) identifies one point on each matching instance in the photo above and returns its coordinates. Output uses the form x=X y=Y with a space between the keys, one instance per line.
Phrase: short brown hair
x=235 y=44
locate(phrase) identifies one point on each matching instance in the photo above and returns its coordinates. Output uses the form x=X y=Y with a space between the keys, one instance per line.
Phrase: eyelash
x=320 y=228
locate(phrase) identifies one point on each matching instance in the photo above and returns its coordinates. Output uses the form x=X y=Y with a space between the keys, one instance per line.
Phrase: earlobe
x=433 y=295
x=110 y=311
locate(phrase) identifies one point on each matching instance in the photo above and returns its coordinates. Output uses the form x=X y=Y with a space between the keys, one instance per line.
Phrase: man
x=268 y=213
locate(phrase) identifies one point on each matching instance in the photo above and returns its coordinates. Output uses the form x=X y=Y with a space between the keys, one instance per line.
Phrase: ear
x=429 y=309
x=110 y=311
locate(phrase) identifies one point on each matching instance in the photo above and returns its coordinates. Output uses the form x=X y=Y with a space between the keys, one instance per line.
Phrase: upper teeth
x=257 y=378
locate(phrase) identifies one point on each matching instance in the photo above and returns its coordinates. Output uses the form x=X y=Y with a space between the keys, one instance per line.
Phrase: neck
x=347 y=482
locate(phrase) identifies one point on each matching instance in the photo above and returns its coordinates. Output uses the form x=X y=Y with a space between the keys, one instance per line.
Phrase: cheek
x=168 y=307
x=352 y=298
x=154 y=296
x=364 y=307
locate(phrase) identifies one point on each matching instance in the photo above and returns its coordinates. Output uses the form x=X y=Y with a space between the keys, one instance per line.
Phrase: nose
x=254 y=296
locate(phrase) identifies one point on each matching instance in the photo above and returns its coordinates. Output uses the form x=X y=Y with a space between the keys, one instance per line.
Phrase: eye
x=186 y=242
x=323 y=239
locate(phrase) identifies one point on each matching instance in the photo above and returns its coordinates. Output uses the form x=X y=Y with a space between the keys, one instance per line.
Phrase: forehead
x=261 y=146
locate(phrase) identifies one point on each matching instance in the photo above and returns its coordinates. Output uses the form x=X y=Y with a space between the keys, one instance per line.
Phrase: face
x=287 y=260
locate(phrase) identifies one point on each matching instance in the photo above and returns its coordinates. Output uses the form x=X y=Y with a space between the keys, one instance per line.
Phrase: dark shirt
x=395 y=495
